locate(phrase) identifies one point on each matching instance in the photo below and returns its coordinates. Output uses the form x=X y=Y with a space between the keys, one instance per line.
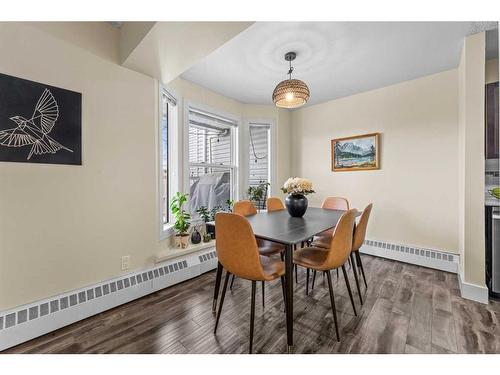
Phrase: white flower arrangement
x=297 y=185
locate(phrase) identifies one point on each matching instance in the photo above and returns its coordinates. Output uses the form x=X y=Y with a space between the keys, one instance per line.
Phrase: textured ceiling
x=335 y=59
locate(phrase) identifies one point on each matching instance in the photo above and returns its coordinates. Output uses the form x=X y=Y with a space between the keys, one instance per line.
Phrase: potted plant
x=182 y=223
x=204 y=214
x=296 y=202
x=211 y=225
x=258 y=193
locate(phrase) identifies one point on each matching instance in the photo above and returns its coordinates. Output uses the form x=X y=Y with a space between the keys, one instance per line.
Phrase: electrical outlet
x=125 y=262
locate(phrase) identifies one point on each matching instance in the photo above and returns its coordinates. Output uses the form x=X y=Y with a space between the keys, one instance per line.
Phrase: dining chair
x=274 y=204
x=325 y=260
x=333 y=203
x=359 y=239
x=239 y=254
x=354 y=257
x=266 y=248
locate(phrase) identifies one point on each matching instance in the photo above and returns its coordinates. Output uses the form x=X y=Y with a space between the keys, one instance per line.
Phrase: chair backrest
x=360 y=230
x=274 y=204
x=341 y=242
x=335 y=203
x=236 y=246
x=244 y=208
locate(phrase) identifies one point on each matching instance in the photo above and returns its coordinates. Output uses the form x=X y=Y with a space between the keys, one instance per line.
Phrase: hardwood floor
x=407 y=309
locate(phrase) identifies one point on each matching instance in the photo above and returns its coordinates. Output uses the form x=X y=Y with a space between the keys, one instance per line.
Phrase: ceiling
x=335 y=59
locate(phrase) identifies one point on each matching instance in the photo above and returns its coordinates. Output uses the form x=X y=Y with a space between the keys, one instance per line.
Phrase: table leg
x=289 y=296
x=218 y=278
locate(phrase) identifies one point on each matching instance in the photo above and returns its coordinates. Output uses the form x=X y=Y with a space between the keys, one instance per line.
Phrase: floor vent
x=438 y=259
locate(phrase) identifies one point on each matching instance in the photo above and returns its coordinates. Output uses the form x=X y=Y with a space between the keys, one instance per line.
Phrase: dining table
x=280 y=227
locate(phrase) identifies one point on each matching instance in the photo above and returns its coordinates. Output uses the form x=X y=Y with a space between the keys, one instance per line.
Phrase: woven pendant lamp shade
x=290 y=93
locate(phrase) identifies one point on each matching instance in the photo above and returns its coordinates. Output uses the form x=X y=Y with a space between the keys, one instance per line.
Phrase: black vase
x=296 y=204
x=195 y=237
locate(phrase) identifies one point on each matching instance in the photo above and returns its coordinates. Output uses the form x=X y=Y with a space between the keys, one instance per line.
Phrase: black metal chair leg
x=282 y=279
x=314 y=279
x=356 y=277
x=337 y=273
x=221 y=301
x=232 y=281
x=218 y=278
x=263 y=298
x=332 y=301
x=296 y=274
x=360 y=264
x=252 y=315
x=349 y=289
x=307 y=281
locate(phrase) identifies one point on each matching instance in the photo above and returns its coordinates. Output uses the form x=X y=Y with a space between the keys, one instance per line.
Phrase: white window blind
x=259 y=167
x=211 y=160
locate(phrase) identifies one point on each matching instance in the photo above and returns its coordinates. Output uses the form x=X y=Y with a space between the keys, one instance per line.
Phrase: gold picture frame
x=356 y=153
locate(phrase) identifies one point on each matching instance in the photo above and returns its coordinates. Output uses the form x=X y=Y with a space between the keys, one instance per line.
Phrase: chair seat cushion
x=273 y=267
x=322 y=242
x=310 y=257
x=268 y=248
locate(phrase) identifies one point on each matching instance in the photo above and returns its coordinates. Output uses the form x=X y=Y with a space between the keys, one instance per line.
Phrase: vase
x=195 y=237
x=211 y=230
x=296 y=204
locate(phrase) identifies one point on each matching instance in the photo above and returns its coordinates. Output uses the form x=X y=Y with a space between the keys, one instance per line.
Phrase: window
x=212 y=161
x=168 y=116
x=259 y=161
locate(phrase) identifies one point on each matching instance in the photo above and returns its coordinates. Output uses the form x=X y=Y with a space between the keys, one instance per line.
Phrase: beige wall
x=415 y=191
x=471 y=159
x=63 y=227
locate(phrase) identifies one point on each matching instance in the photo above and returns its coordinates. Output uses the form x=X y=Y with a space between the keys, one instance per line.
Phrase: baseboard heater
x=36 y=319
x=438 y=259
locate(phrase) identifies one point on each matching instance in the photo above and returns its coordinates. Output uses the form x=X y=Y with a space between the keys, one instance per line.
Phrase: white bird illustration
x=35 y=131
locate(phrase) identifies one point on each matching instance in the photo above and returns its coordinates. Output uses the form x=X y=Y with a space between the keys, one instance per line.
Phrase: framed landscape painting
x=356 y=153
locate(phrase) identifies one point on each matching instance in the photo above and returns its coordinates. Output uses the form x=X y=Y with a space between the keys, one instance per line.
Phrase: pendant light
x=290 y=93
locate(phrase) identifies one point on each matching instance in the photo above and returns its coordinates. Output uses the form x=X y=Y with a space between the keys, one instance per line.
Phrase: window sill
x=174 y=252
x=166 y=232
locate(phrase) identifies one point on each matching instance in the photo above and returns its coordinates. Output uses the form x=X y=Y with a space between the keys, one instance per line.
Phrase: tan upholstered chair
x=355 y=258
x=333 y=203
x=334 y=257
x=274 y=204
x=359 y=238
x=238 y=253
x=266 y=248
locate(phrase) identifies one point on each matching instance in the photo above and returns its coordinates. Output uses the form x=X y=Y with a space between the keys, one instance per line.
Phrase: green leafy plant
x=182 y=223
x=257 y=193
x=204 y=213
x=214 y=211
x=230 y=204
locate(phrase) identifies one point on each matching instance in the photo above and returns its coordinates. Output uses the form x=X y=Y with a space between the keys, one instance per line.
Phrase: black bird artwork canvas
x=39 y=123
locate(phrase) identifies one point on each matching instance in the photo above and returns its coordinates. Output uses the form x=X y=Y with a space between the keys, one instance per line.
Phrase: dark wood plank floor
x=407 y=309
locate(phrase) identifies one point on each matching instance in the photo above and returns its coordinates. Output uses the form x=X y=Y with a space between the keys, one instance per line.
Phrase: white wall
x=415 y=192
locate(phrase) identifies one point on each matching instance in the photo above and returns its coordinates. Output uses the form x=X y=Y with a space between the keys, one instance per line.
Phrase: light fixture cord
x=290 y=70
